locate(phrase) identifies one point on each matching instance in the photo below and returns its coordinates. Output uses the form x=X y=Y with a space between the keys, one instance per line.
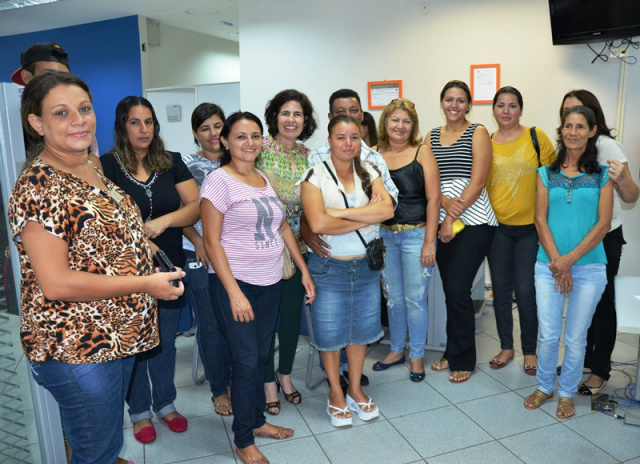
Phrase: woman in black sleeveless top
x=410 y=236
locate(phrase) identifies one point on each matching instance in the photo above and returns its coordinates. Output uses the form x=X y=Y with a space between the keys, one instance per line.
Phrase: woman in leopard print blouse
x=88 y=287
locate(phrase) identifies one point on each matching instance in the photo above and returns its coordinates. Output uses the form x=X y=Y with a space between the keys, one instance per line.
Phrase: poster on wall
x=485 y=82
x=382 y=92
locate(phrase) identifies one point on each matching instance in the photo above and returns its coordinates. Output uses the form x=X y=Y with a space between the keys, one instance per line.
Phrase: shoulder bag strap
x=534 y=140
x=346 y=203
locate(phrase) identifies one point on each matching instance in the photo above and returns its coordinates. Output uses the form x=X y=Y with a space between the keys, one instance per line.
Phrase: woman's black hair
x=361 y=172
x=455 y=84
x=509 y=91
x=588 y=162
x=34 y=94
x=370 y=124
x=590 y=101
x=157 y=159
x=203 y=112
x=272 y=110
x=226 y=130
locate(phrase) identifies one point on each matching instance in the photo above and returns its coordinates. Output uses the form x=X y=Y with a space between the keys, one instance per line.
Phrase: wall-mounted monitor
x=584 y=21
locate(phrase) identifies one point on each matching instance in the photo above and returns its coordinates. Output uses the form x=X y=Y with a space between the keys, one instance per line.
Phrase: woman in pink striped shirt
x=244 y=233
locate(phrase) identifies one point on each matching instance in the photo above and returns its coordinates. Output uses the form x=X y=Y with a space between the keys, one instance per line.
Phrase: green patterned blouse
x=276 y=158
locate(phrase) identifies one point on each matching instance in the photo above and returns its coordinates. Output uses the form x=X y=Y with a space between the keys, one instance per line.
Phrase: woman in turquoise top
x=573 y=214
x=289 y=117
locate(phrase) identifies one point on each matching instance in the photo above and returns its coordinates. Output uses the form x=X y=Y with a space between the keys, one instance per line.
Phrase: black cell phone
x=165 y=265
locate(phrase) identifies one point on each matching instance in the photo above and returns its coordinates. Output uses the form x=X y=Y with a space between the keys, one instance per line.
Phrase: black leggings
x=601 y=337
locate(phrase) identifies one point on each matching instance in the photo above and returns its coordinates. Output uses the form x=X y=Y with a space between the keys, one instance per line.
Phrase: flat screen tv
x=584 y=21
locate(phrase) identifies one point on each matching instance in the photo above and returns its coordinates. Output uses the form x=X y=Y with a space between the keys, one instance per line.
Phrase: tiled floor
x=434 y=421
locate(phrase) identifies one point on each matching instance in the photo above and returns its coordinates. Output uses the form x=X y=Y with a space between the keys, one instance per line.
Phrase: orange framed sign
x=485 y=82
x=382 y=92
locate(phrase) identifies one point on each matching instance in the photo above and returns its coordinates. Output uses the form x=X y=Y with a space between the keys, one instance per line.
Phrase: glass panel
x=18 y=434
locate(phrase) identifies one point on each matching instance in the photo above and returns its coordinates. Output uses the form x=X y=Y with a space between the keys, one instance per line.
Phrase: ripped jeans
x=405 y=285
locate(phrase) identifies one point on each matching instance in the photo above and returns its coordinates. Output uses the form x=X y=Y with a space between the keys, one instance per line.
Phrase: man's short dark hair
x=343 y=93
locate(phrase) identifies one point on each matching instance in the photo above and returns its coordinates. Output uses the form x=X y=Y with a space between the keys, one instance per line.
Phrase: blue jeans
x=159 y=364
x=213 y=349
x=512 y=257
x=406 y=285
x=249 y=344
x=346 y=310
x=589 y=281
x=91 y=399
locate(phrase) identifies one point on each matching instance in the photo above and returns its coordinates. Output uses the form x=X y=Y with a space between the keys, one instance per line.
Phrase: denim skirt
x=346 y=310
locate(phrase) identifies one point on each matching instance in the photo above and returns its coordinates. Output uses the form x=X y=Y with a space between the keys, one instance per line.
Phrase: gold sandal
x=440 y=365
x=566 y=408
x=536 y=399
x=459 y=376
x=222 y=408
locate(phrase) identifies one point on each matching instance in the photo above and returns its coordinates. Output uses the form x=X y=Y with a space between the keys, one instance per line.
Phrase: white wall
x=177 y=135
x=187 y=58
x=320 y=47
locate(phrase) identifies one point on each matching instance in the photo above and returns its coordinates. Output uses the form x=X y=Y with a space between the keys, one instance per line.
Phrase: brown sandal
x=261 y=460
x=281 y=433
x=536 y=399
x=566 y=408
x=440 y=365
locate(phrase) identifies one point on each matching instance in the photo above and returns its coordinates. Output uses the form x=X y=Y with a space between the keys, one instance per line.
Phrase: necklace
x=146 y=187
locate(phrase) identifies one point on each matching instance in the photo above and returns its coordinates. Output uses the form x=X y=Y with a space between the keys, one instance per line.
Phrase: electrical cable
x=599 y=55
x=622 y=396
x=628 y=59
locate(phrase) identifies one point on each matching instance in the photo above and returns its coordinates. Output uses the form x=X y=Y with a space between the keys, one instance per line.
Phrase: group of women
x=540 y=220
x=95 y=336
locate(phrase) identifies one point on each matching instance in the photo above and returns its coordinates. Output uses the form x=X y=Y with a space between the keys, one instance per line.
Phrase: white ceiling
x=171 y=12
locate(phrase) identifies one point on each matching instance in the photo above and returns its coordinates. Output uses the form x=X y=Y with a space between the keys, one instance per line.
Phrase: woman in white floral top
x=289 y=117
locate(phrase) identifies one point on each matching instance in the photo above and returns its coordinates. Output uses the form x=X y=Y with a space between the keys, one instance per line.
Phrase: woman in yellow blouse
x=517 y=152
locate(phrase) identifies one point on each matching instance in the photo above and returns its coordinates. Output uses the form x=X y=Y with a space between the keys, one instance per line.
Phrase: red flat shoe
x=177 y=424
x=146 y=434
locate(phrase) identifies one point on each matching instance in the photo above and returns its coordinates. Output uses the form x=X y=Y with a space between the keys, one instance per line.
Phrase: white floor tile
x=440 y=431
x=555 y=444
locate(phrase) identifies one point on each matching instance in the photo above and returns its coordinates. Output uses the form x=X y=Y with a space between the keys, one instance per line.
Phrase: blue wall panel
x=105 y=54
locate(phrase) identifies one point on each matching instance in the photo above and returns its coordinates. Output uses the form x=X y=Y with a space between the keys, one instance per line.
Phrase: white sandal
x=358 y=408
x=338 y=421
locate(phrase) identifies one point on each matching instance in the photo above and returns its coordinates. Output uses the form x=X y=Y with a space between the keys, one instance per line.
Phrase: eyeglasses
x=401 y=101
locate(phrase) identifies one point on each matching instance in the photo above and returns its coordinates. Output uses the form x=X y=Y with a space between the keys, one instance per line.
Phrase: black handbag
x=376 y=251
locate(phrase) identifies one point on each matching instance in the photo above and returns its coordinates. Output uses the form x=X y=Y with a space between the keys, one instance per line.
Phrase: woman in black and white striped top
x=463 y=152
